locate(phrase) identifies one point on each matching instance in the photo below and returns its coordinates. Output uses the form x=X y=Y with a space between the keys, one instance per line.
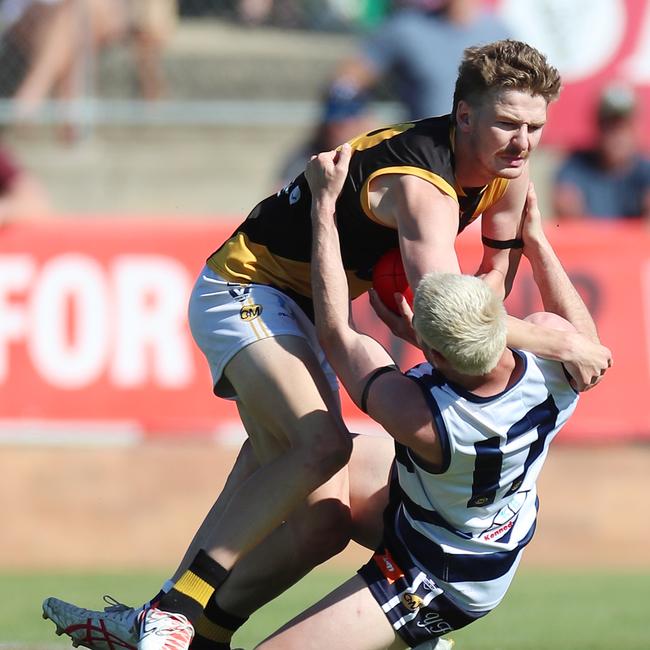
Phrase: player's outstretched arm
x=585 y=358
x=358 y=360
x=559 y=296
x=353 y=356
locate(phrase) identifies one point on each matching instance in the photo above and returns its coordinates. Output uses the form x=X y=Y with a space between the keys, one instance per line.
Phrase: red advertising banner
x=94 y=338
x=592 y=44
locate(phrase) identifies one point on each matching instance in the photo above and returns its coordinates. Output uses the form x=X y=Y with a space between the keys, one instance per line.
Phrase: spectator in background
x=325 y=14
x=254 y=12
x=55 y=37
x=344 y=115
x=21 y=196
x=611 y=180
x=151 y=23
x=52 y=36
x=418 y=49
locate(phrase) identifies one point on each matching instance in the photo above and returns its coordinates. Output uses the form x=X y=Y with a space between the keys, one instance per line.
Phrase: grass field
x=542 y=611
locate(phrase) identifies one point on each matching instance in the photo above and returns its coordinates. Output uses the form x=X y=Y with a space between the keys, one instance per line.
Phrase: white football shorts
x=226 y=316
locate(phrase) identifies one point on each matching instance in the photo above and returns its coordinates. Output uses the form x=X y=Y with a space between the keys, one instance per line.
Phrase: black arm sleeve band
x=502 y=243
x=375 y=375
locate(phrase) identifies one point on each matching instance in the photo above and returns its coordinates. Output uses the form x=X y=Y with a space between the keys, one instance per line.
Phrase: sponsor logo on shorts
x=238 y=292
x=250 y=312
x=412 y=602
x=284 y=305
x=388 y=566
x=434 y=624
x=430 y=585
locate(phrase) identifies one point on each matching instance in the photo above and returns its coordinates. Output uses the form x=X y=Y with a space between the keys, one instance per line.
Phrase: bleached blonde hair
x=460 y=317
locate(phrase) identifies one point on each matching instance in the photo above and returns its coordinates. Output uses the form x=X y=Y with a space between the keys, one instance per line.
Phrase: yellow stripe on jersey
x=243 y=261
x=425 y=174
x=495 y=190
x=372 y=139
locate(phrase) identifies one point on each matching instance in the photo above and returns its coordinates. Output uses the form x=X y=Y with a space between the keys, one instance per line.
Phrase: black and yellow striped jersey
x=273 y=245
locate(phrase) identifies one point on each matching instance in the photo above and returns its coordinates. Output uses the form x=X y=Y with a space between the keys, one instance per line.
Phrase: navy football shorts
x=417 y=608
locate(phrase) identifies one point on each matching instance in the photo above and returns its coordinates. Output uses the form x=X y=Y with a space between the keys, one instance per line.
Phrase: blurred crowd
x=302 y=14
x=49 y=43
x=611 y=180
x=49 y=48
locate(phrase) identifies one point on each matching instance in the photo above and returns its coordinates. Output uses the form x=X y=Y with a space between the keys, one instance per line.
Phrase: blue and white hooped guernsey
x=468 y=524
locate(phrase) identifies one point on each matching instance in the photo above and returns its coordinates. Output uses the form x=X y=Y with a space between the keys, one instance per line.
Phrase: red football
x=388 y=278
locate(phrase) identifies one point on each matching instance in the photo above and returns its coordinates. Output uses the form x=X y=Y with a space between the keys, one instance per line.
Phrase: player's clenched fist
x=326 y=173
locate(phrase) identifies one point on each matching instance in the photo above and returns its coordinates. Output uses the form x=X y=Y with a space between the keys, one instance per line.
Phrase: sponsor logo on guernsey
x=294 y=197
x=516 y=485
x=412 y=602
x=250 y=312
x=499 y=532
x=388 y=566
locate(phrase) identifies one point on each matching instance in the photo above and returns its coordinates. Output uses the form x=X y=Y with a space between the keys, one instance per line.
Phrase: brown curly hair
x=505 y=65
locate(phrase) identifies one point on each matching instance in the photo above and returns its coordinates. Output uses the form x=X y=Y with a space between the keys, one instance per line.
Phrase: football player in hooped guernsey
x=285 y=507
x=481 y=417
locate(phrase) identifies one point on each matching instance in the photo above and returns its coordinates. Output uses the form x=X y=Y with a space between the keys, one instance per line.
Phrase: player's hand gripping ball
x=389 y=278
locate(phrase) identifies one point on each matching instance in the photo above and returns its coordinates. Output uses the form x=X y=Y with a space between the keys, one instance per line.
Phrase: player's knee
x=327 y=454
x=550 y=320
x=326 y=531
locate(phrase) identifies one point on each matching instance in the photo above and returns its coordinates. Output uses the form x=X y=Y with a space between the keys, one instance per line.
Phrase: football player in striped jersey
x=471 y=425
